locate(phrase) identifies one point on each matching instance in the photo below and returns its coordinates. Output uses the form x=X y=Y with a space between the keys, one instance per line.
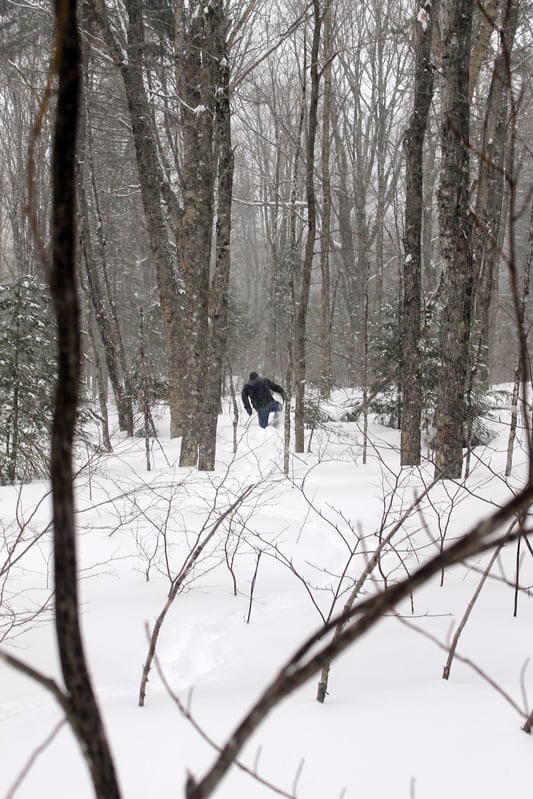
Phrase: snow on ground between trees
x=390 y=726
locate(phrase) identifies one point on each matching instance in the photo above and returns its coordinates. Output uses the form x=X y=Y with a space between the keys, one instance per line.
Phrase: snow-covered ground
x=269 y=576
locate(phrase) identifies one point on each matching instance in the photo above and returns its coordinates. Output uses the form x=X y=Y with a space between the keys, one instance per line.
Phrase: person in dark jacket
x=258 y=391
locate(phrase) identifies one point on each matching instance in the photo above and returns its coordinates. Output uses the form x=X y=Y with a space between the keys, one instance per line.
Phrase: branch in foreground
x=46 y=682
x=528 y=726
x=312 y=655
x=177 y=583
x=33 y=758
x=84 y=714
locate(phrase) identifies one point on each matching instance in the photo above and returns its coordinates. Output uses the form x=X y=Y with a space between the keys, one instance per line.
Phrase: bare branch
x=357 y=621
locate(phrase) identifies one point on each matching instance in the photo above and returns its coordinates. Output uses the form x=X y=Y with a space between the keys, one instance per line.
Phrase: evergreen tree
x=27 y=379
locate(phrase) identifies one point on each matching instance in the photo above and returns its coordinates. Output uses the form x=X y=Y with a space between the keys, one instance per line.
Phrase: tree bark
x=98 y=371
x=156 y=195
x=123 y=398
x=455 y=237
x=301 y=315
x=352 y=288
x=291 y=293
x=490 y=190
x=488 y=16
x=195 y=75
x=218 y=292
x=326 y=375
x=105 y=308
x=84 y=714
x=411 y=364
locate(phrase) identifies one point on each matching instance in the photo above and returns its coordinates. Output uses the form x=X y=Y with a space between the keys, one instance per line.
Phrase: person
x=258 y=391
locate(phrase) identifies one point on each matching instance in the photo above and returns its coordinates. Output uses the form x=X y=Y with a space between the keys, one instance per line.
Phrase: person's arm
x=277 y=389
x=246 y=401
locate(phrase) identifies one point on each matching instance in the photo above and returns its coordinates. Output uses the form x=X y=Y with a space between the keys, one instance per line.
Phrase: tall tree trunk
x=105 y=309
x=490 y=192
x=98 y=369
x=291 y=293
x=430 y=273
x=488 y=16
x=522 y=369
x=301 y=315
x=156 y=195
x=94 y=292
x=106 y=329
x=197 y=26
x=274 y=228
x=352 y=290
x=325 y=240
x=455 y=237
x=195 y=74
x=382 y=158
x=411 y=363
x=218 y=293
x=84 y=715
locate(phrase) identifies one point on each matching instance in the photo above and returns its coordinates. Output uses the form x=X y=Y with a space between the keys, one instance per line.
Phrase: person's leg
x=277 y=410
x=262 y=415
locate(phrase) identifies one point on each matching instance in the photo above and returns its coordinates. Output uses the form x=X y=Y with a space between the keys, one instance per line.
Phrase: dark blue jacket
x=258 y=391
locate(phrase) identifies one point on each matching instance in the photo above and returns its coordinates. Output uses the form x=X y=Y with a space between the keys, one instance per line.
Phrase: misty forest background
x=337 y=195
x=307 y=147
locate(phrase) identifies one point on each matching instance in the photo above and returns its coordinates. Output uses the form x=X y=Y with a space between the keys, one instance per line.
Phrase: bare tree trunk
x=365 y=372
x=123 y=398
x=411 y=364
x=455 y=238
x=195 y=76
x=325 y=240
x=301 y=315
x=430 y=273
x=490 y=192
x=218 y=293
x=291 y=295
x=352 y=287
x=520 y=369
x=155 y=194
x=148 y=421
x=488 y=15
x=382 y=157
x=275 y=228
x=104 y=311
x=199 y=57
x=98 y=371
x=105 y=308
x=84 y=715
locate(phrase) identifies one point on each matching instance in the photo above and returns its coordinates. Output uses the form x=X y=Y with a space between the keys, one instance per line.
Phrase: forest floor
x=269 y=575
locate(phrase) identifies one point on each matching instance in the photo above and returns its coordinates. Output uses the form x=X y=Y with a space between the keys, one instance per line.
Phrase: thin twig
x=186 y=712
x=253 y=586
x=33 y=758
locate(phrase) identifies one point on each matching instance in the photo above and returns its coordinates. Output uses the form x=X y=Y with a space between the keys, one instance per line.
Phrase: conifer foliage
x=27 y=378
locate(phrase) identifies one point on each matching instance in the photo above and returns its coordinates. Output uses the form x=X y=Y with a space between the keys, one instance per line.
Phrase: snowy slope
x=391 y=726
